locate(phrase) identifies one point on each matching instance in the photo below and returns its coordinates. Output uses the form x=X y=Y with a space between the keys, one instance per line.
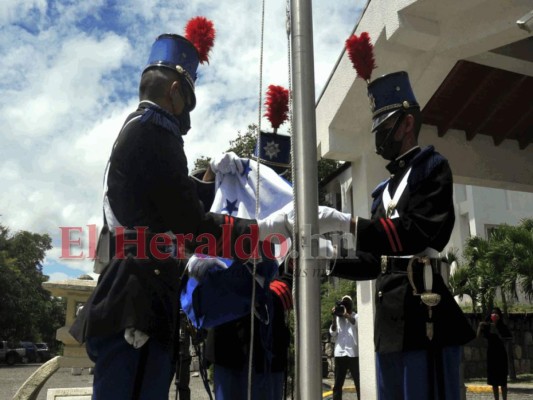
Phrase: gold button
x=157 y=272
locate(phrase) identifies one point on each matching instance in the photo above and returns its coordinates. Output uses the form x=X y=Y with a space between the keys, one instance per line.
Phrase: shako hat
x=183 y=54
x=387 y=94
x=275 y=149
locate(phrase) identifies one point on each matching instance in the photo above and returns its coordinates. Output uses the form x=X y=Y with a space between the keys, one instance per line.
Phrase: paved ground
x=11 y=378
x=475 y=391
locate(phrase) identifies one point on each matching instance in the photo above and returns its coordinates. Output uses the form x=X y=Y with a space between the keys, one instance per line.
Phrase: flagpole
x=309 y=357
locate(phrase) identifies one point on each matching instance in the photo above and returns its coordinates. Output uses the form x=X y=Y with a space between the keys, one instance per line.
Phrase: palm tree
x=521 y=238
x=481 y=272
x=461 y=284
x=503 y=261
x=502 y=258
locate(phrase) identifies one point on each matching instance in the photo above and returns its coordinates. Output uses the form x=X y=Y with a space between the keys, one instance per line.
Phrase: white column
x=367 y=356
x=367 y=172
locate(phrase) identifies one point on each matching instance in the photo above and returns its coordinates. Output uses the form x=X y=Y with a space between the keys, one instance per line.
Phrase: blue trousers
x=232 y=384
x=404 y=375
x=124 y=373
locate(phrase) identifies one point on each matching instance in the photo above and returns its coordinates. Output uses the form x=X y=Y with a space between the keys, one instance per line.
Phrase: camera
x=340 y=309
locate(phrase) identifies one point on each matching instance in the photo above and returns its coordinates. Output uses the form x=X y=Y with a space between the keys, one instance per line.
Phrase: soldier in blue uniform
x=419 y=327
x=131 y=321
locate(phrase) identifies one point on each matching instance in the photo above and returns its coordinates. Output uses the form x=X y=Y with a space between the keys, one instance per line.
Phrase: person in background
x=496 y=332
x=343 y=331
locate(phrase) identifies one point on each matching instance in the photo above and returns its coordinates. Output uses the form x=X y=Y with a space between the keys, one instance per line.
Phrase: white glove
x=227 y=163
x=135 y=337
x=331 y=220
x=197 y=267
x=275 y=223
x=326 y=250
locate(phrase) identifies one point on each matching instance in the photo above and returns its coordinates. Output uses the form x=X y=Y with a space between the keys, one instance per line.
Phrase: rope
x=294 y=208
x=258 y=142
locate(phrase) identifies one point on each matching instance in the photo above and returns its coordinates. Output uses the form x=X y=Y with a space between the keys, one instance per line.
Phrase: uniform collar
x=148 y=103
x=157 y=115
x=402 y=161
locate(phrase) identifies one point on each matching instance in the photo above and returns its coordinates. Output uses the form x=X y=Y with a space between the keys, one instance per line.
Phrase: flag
x=222 y=290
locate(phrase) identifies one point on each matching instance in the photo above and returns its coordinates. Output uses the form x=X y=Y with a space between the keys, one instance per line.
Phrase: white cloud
x=13 y=10
x=69 y=89
x=69 y=75
x=58 y=276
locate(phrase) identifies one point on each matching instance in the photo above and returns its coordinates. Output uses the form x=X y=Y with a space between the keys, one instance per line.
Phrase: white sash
x=112 y=220
x=390 y=204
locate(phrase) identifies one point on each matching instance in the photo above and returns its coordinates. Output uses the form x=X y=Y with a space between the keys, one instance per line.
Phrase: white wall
x=482 y=207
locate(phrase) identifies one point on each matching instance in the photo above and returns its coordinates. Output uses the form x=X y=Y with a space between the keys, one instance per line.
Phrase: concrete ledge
x=70 y=394
x=33 y=385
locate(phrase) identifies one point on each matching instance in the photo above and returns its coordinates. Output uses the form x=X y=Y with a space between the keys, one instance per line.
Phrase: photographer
x=343 y=331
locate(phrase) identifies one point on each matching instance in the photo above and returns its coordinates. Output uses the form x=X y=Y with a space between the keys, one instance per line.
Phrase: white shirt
x=345 y=337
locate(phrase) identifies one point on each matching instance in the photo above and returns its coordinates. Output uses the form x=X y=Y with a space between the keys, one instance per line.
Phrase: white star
x=271 y=150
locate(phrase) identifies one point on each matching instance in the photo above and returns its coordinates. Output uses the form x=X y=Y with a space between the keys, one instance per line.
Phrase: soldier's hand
x=227 y=163
x=331 y=220
x=199 y=265
x=275 y=224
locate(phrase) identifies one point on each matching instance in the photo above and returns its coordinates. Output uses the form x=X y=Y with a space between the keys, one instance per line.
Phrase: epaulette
x=157 y=116
x=376 y=194
x=423 y=164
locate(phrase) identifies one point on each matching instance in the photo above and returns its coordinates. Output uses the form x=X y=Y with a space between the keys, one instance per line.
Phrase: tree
x=244 y=144
x=461 y=282
x=202 y=162
x=27 y=311
x=503 y=261
x=520 y=240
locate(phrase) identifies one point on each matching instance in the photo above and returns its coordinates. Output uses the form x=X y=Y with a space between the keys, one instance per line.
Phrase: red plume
x=361 y=52
x=277 y=105
x=201 y=32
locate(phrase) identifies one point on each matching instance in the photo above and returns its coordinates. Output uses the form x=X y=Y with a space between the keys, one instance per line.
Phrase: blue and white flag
x=219 y=290
x=236 y=190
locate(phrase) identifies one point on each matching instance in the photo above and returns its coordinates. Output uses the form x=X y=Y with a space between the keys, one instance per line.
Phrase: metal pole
x=309 y=355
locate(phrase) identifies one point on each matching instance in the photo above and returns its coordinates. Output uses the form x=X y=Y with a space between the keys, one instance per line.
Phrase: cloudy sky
x=69 y=73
